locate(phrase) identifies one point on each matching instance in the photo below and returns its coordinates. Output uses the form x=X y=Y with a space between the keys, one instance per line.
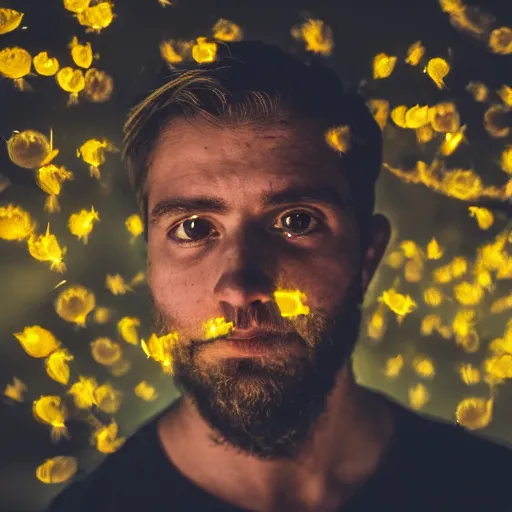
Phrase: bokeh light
x=80 y=368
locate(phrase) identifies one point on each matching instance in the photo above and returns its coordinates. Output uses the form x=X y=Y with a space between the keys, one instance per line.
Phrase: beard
x=263 y=407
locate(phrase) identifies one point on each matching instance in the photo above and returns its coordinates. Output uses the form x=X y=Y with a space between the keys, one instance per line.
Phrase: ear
x=380 y=233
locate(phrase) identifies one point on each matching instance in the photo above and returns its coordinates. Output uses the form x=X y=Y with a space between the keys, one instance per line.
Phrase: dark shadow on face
x=267 y=408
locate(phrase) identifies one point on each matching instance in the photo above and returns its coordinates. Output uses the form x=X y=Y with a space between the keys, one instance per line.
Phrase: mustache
x=264 y=316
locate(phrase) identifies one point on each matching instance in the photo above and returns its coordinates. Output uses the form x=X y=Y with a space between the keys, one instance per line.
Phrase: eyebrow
x=208 y=204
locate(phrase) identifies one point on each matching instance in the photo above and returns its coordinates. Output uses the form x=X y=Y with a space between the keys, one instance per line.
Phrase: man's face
x=234 y=214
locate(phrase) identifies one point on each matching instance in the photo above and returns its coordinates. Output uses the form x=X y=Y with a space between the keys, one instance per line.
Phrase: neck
x=346 y=447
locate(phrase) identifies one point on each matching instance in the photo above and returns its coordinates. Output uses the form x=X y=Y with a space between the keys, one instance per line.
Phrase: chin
x=265 y=400
x=263 y=407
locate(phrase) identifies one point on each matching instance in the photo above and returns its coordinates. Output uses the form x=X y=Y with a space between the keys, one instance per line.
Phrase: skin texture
x=284 y=426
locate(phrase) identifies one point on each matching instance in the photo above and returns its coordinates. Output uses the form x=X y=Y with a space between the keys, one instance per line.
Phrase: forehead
x=194 y=155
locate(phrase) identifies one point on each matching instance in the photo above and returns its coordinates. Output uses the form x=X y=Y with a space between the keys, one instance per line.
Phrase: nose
x=244 y=287
x=247 y=274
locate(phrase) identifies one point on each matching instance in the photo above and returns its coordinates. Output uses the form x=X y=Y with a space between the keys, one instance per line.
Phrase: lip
x=250 y=335
x=256 y=335
x=249 y=346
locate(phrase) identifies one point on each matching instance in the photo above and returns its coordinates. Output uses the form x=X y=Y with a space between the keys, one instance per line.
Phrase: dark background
x=129 y=51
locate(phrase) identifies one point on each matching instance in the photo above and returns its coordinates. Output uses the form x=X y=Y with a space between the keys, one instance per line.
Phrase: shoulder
x=106 y=487
x=460 y=461
x=455 y=443
x=443 y=466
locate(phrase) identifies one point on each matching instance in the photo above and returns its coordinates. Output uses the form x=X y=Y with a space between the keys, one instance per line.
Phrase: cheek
x=177 y=292
x=185 y=291
x=324 y=278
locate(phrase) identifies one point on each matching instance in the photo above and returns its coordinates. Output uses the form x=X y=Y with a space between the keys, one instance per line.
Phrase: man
x=244 y=197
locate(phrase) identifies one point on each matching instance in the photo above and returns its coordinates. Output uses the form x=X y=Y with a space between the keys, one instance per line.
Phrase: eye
x=194 y=230
x=296 y=223
x=191 y=230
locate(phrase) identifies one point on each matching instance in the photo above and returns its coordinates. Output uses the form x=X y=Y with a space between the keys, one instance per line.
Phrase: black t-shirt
x=430 y=466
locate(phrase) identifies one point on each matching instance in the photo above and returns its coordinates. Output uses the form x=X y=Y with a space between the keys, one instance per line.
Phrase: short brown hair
x=251 y=82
